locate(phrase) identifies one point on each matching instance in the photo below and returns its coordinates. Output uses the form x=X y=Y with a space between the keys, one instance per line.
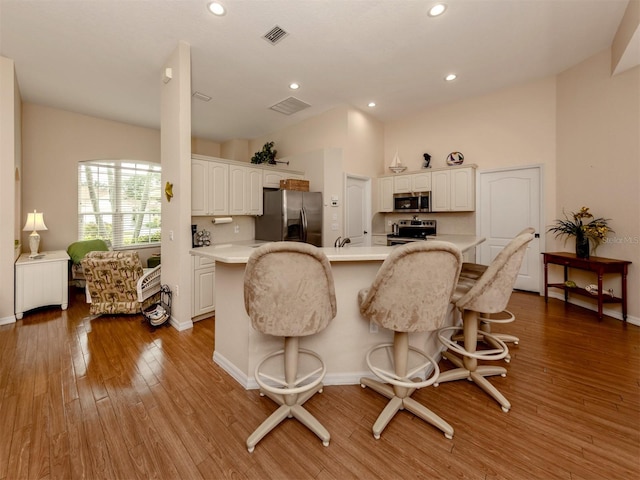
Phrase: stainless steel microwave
x=416 y=202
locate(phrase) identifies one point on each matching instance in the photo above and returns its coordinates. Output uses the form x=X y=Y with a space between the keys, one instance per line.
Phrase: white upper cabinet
x=402 y=184
x=421 y=182
x=440 y=193
x=271 y=178
x=453 y=190
x=385 y=194
x=245 y=190
x=414 y=182
x=209 y=188
x=227 y=187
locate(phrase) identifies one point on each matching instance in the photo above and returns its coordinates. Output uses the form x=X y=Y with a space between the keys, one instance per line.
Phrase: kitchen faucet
x=342 y=243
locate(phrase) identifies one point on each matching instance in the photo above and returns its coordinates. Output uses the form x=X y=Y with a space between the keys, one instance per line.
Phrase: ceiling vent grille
x=289 y=106
x=275 y=35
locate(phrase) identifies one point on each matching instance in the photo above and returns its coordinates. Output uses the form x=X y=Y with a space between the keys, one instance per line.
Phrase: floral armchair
x=117 y=283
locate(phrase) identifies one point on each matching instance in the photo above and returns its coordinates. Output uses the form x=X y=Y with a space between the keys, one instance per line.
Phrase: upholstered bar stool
x=488 y=294
x=411 y=293
x=289 y=293
x=473 y=271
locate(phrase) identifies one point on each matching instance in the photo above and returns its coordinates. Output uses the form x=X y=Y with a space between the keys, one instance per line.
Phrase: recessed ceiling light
x=437 y=10
x=216 y=8
x=294 y=86
x=372 y=104
x=451 y=77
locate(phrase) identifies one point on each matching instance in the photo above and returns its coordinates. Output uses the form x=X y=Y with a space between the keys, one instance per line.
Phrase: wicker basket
x=294 y=184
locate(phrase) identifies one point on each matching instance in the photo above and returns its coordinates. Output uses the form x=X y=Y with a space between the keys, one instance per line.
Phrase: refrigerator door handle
x=303 y=218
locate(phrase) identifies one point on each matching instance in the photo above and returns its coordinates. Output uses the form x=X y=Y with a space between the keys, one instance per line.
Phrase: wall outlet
x=177 y=290
x=373 y=327
x=236 y=229
x=334 y=226
x=390 y=222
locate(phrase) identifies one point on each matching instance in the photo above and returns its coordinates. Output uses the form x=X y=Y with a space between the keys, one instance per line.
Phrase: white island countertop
x=239 y=252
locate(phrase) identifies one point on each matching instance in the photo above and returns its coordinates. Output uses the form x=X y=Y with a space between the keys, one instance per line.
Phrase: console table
x=41 y=281
x=599 y=265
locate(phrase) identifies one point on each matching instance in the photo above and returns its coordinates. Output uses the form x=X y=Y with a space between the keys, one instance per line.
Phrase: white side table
x=42 y=281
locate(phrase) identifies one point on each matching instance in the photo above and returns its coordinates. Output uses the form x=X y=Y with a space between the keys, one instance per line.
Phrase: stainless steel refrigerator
x=292 y=216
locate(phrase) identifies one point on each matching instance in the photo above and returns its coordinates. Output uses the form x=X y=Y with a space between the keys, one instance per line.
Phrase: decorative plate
x=455 y=158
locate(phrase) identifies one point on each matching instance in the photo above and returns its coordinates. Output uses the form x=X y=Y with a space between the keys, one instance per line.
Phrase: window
x=119 y=201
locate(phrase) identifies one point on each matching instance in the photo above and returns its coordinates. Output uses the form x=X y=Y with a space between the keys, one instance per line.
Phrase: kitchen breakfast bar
x=343 y=344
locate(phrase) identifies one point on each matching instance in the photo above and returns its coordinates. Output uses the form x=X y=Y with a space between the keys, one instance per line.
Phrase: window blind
x=119 y=201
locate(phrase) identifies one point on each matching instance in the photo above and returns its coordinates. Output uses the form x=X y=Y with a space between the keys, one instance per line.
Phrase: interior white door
x=356 y=210
x=509 y=201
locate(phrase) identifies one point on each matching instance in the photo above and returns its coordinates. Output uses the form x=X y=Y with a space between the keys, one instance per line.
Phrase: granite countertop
x=239 y=252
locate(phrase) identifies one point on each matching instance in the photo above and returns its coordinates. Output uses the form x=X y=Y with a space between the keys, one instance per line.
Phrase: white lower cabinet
x=379 y=239
x=41 y=281
x=204 y=286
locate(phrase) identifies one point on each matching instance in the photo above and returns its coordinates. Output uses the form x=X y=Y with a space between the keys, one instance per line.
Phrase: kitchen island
x=343 y=344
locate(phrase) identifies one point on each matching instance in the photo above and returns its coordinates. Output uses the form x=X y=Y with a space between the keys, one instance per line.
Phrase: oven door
x=400 y=241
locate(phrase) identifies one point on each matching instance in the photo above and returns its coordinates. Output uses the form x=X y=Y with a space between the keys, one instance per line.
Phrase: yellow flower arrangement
x=595 y=230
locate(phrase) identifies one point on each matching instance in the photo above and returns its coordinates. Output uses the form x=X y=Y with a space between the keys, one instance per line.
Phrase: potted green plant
x=585 y=227
x=266 y=155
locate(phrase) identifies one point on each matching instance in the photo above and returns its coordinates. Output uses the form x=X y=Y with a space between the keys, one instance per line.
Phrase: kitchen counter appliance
x=412 y=231
x=418 y=202
x=290 y=215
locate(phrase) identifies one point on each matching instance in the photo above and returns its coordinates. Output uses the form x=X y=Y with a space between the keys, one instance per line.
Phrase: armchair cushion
x=112 y=279
x=78 y=250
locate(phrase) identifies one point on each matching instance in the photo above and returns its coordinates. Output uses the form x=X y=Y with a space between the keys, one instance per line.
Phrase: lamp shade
x=35 y=222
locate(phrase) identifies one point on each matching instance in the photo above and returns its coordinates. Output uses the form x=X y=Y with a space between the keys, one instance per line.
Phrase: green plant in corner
x=266 y=155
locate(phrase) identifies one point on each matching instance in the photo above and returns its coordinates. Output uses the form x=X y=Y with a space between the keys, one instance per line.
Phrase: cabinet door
x=463 y=191
x=218 y=180
x=271 y=179
x=199 y=190
x=253 y=191
x=402 y=184
x=440 y=191
x=203 y=291
x=421 y=182
x=385 y=194
x=236 y=190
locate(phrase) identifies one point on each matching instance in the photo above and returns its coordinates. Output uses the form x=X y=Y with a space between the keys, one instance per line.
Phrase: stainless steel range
x=411 y=231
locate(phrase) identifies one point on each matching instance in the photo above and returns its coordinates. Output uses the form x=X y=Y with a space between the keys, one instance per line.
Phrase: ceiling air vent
x=289 y=105
x=275 y=35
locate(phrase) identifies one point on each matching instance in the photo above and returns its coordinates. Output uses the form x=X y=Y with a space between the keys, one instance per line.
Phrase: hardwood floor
x=111 y=398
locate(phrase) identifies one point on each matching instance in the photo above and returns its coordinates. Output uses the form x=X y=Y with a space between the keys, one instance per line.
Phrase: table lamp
x=35 y=222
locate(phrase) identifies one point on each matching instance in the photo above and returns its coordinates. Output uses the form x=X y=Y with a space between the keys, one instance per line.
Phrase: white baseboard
x=594 y=307
x=180 y=326
x=8 y=320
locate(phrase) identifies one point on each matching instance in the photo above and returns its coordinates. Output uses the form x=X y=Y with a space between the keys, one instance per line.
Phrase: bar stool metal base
x=400 y=387
x=467 y=366
x=291 y=393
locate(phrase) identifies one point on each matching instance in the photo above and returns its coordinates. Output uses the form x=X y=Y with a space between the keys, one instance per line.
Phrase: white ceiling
x=104 y=57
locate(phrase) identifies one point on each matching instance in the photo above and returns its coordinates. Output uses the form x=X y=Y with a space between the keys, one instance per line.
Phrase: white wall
x=508 y=128
x=54 y=142
x=598 y=151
